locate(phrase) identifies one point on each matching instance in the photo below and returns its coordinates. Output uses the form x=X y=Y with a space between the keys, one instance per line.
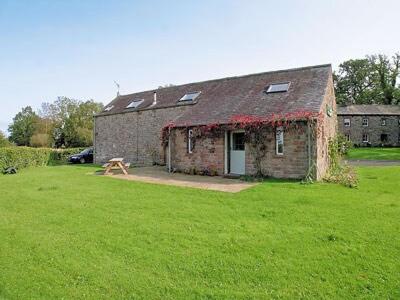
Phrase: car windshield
x=86 y=151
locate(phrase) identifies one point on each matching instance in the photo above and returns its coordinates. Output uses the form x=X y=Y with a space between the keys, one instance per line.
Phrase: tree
x=3 y=140
x=371 y=80
x=71 y=121
x=386 y=74
x=23 y=126
x=40 y=140
x=353 y=82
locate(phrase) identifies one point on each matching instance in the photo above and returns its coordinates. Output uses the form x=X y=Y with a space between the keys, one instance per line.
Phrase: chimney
x=155 y=98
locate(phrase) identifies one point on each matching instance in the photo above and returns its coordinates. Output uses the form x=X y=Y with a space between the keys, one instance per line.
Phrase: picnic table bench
x=116 y=163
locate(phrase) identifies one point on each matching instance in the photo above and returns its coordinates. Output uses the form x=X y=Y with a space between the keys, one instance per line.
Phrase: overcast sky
x=78 y=48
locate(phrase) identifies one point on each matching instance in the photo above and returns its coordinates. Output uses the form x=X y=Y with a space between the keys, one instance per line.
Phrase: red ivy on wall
x=247 y=122
x=256 y=129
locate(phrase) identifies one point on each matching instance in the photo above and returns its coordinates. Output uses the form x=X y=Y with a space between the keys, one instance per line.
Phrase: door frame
x=228 y=147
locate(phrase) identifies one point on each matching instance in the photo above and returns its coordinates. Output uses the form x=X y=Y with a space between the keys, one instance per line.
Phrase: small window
x=347 y=136
x=346 y=122
x=238 y=141
x=190 y=141
x=384 y=138
x=365 y=122
x=383 y=122
x=365 y=138
x=279 y=140
x=108 y=108
x=190 y=96
x=135 y=103
x=278 y=87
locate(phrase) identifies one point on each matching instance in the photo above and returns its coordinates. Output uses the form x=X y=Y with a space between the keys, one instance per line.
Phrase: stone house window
x=279 y=140
x=346 y=122
x=347 y=136
x=365 y=122
x=384 y=138
x=365 y=138
x=190 y=141
x=383 y=122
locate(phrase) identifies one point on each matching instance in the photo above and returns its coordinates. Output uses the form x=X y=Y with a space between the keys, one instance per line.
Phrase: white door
x=237 y=155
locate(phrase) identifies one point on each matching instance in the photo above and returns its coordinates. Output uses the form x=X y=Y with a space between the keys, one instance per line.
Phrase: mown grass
x=374 y=153
x=67 y=234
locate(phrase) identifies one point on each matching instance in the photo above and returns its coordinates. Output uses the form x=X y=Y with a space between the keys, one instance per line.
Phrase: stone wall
x=294 y=161
x=374 y=129
x=327 y=131
x=135 y=136
x=210 y=153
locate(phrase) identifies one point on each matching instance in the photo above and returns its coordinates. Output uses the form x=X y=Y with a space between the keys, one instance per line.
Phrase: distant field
x=66 y=234
x=374 y=153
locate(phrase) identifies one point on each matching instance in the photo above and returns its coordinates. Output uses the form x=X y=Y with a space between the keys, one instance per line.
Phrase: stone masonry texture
x=374 y=130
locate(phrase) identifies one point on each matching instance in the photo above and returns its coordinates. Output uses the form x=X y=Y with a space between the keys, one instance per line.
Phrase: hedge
x=24 y=157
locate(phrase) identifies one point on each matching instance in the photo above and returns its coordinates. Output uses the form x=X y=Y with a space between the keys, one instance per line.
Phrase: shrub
x=339 y=172
x=3 y=140
x=24 y=157
x=344 y=175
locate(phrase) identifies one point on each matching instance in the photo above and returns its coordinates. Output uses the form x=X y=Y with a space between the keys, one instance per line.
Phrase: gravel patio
x=158 y=175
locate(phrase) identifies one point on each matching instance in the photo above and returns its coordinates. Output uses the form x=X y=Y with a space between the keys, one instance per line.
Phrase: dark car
x=86 y=156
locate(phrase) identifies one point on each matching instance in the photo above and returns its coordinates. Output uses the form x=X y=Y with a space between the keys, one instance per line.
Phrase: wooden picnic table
x=116 y=163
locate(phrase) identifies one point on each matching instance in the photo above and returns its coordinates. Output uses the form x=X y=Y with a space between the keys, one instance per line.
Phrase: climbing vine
x=257 y=130
x=340 y=172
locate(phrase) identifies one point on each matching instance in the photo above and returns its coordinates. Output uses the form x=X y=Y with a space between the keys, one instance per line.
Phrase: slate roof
x=371 y=109
x=221 y=99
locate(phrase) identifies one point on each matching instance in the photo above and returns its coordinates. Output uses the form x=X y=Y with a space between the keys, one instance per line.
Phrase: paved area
x=373 y=163
x=158 y=175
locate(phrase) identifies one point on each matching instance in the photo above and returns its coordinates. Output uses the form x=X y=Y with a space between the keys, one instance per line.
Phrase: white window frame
x=135 y=103
x=108 y=108
x=279 y=139
x=367 y=139
x=190 y=141
x=271 y=87
x=365 y=122
x=347 y=122
x=185 y=98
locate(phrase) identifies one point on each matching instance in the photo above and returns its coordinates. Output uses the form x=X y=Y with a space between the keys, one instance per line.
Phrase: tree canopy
x=64 y=123
x=23 y=126
x=371 y=80
x=3 y=140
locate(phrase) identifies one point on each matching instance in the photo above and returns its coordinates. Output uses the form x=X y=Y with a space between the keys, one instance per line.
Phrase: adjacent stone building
x=205 y=127
x=370 y=125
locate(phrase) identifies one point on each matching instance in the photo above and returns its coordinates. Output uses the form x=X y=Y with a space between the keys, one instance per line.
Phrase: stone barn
x=370 y=125
x=275 y=123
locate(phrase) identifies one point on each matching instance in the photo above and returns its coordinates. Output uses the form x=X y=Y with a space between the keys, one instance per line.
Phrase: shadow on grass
x=58 y=164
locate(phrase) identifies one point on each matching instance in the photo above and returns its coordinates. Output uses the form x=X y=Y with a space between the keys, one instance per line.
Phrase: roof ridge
x=233 y=77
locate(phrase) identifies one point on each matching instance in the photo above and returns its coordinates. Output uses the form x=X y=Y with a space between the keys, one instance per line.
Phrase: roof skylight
x=190 y=96
x=108 y=108
x=135 y=103
x=278 y=87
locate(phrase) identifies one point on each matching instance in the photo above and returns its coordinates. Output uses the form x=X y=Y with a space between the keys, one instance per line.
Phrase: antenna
x=117 y=84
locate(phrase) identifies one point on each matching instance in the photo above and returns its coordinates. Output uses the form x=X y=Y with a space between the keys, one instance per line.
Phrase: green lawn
x=374 y=153
x=68 y=234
